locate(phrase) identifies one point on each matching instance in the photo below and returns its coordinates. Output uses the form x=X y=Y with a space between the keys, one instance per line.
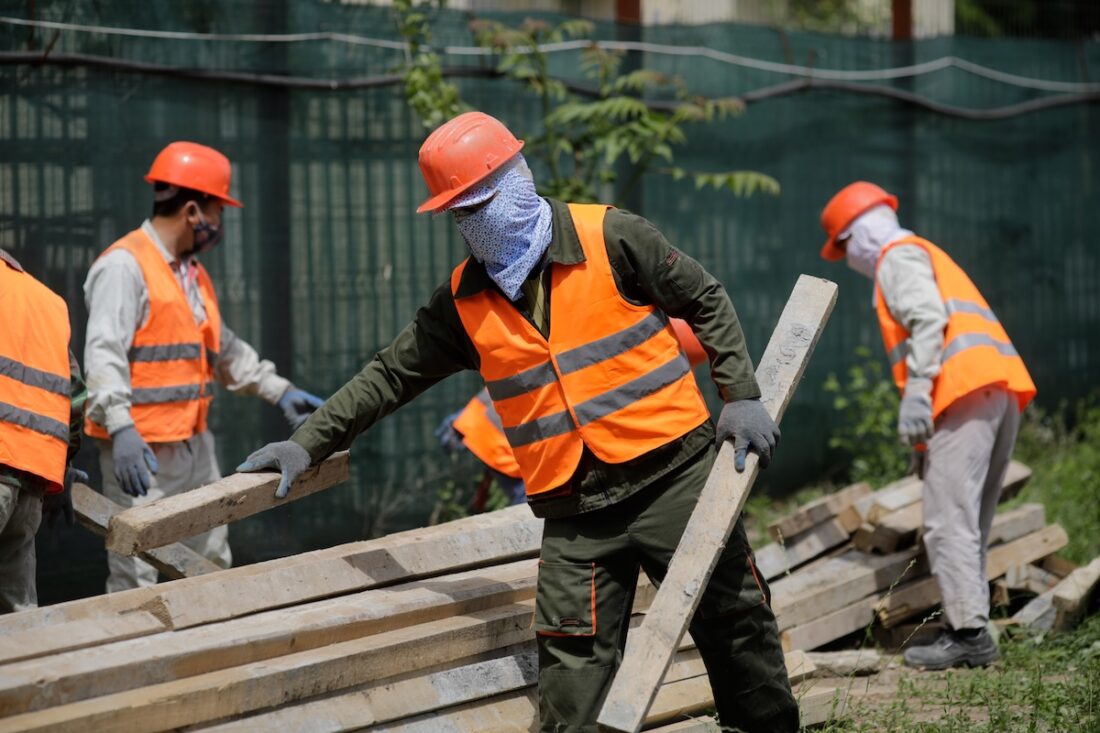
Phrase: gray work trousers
x=20 y=515
x=967 y=459
x=181 y=466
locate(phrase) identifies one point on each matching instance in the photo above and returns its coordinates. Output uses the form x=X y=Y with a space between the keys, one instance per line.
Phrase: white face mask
x=867 y=235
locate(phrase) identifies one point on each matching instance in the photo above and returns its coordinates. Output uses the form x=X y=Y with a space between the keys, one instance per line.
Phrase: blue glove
x=61 y=504
x=297 y=405
x=448 y=437
x=285 y=456
x=131 y=457
x=750 y=427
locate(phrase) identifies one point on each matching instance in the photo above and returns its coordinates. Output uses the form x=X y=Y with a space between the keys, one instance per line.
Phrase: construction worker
x=562 y=309
x=476 y=428
x=41 y=408
x=156 y=343
x=963 y=386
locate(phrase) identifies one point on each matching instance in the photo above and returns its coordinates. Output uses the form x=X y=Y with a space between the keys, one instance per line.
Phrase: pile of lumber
x=431 y=629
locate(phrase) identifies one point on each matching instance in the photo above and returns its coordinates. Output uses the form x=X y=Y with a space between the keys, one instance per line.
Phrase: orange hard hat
x=461 y=153
x=194 y=166
x=689 y=342
x=845 y=207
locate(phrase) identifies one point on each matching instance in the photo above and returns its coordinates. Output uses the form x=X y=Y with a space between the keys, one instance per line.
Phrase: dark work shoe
x=954 y=649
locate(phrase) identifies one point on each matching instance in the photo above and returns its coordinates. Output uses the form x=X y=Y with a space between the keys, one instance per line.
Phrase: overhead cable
x=886 y=74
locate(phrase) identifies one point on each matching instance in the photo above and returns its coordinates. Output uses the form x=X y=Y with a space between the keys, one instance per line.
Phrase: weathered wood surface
x=831 y=626
x=775 y=558
x=70 y=636
x=1073 y=596
x=898 y=529
x=650 y=648
x=234 y=497
x=238 y=690
x=94 y=512
x=817 y=511
x=816 y=706
x=848 y=663
x=40 y=683
x=920 y=595
x=484 y=539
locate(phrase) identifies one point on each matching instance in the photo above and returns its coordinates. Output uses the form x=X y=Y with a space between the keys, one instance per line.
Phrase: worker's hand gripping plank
x=241 y=495
x=652 y=645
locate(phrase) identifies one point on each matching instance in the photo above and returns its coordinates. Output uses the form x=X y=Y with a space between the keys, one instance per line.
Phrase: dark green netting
x=328 y=260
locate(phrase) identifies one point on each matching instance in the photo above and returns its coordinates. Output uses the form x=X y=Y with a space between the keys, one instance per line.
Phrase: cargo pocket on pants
x=565 y=604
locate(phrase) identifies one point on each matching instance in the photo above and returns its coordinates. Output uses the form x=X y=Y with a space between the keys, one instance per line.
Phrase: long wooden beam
x=234 y=497
x=651 y=647
x=94 y=511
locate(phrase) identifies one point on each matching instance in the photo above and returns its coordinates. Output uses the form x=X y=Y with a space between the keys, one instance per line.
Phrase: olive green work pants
x=587 y=576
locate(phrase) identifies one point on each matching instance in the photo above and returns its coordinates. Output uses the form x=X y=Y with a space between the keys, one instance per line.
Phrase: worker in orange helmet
x=563 y=309
x=963 y=386
x=156 y=344
x=477 y=428
x=41 y=407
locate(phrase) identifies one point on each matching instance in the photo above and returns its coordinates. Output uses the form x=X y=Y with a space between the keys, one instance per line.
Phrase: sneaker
x=952 y=649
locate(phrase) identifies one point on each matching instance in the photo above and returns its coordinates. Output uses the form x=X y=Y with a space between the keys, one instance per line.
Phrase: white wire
x=897 y=72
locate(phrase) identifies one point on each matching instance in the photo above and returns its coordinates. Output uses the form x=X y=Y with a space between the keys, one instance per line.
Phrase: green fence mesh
x=328 y=260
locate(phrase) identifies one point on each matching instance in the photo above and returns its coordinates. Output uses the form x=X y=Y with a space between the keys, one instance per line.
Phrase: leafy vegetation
x=868 y=401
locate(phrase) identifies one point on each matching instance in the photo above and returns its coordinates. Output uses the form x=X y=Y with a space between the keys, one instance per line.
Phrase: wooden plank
x=234 y=497
x=804 y=597
x=73 y=635
x=238 y=690
x=483 y=539
x=893 y=497
x=847 y=663
x=40 y=683
x=816 y=706
x=1058 y=565
x=649 y=649
x=831 y=626
x=898 y=529
x=94 y=512
x=776 y=558
x=817 y=511
x=1038 y=614
x=1029 y=578
x=920 y=595
x=1074 y=594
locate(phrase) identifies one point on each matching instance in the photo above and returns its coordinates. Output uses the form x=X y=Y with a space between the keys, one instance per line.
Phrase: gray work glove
x=132 y=457
x=285 y=456
x=915 y=416
x=297 y=405
x=61 y=504
x=750 y=427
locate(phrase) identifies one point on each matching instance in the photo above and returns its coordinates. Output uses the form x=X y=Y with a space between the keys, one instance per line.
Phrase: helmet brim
x=227 y=200
x=441 y=201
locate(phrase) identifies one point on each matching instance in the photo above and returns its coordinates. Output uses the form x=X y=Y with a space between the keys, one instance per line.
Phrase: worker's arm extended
x=241 y=370
x=431 y=348
x=651 y=270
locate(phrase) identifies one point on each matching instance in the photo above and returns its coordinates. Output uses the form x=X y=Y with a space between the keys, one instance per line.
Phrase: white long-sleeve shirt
x=908 y=285
x=118 y=304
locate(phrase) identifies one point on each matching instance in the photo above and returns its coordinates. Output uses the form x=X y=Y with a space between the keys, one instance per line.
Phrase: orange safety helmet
x=845 y=207
x=461 y=153
x=194 y=166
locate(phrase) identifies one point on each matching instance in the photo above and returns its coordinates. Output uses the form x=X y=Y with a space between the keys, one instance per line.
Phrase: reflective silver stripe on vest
x=971 y=340
x=522 y=383
x=208 y=390
x=898 y=353
x=541 y=429
x=165 y=352
x=33 y=421
x=610 y=346
x=158 y=395
x=490 y=411
x=632 y=391
x=954 y=305
x=32 y=377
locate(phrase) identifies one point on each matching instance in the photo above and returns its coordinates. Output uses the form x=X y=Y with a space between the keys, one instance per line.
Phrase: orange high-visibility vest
x=35 y=379
x=172 y=357
x=483 y=434
x=611 y=376
x=977 y=351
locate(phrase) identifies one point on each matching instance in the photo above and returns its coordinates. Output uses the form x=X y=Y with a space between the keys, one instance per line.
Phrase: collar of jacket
x=565 y=249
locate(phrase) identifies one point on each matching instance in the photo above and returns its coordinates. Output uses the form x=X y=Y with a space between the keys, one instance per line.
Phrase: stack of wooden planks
x=431 y=629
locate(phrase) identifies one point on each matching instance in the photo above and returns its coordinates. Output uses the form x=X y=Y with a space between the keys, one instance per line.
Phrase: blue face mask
x=506 y=225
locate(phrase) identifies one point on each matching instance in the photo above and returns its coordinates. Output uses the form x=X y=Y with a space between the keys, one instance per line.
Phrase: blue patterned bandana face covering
x=509 y=225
